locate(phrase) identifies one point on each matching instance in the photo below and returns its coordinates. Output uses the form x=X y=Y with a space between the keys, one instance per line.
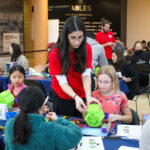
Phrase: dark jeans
x=64 y=107
x=92 y=82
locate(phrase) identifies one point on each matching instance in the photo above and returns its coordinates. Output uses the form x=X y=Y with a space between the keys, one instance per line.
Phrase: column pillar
x=28 y=41
x=40 y=31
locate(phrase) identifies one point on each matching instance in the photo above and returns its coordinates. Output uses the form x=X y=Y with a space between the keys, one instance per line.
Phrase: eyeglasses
x=105 y=82
x=74 y=39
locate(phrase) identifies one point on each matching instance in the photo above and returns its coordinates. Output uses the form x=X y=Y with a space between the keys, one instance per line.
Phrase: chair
x=135 y=118
x=34 y=83
x=38 y=84
x=143 y=74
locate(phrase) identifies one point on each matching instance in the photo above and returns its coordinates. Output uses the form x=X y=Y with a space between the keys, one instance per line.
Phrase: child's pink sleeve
x=124 y=101
x=96 y=95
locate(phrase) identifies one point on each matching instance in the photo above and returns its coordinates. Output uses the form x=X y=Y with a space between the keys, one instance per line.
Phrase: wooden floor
x=143 y=106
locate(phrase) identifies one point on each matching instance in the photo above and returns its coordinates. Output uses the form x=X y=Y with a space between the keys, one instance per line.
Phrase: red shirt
x=103 y=38
x=74 y=78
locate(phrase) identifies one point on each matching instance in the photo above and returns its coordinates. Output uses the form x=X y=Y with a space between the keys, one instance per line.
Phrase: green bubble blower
x=94 y=116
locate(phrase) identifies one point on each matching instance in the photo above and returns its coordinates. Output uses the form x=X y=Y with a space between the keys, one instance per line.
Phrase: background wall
x=11 y=21
x=3 y=61
x=138 y=25
x=138 y=21
x=28 y=31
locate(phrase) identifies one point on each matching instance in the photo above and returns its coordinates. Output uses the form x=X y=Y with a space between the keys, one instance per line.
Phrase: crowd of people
x=71 y=62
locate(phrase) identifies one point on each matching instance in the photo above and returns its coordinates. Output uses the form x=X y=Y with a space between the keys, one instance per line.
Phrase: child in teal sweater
x=30 y=131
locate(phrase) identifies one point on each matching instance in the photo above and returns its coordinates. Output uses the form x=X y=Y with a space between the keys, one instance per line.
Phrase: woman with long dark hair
x=30 y=131
x=129 y=74
x=16 y=56
x=70 y=65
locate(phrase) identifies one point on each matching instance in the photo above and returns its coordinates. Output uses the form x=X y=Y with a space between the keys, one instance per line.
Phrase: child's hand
x=113 y=117
x=46 y=109
x=51 y=116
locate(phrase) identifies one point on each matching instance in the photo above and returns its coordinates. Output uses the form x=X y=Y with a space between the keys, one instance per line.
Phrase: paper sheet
x=129 y=131
x=91 y=143
x=127 y=148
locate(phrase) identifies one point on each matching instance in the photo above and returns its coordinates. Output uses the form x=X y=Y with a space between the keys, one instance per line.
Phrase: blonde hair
x=110 y=71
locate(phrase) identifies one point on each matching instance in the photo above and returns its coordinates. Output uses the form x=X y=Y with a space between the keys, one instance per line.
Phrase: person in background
x=106 y=39
x=98 y=52
x=98 y=55
x=16 y=56
x=128 y=73
x=145 y=136
x=70 y=64
x=45 y=68
x=143 y=43
x=141 y=62
x=114 y=102
x=29 y=130
x=148 y=46
x=132 y=50
x=119 y=44
x=140 y=56
x=17 y=76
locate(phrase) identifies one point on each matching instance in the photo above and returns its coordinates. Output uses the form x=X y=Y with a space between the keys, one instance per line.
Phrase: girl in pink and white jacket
x=16 y=75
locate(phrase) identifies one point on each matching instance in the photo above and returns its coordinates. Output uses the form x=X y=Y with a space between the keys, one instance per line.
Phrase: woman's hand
x=113 y=117
x=126 y=79
x=91 y=100
x=51 y=116
x=80 y=106
x=110 y=44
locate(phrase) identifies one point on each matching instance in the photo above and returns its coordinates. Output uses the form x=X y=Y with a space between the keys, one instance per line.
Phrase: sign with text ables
x=90 y=11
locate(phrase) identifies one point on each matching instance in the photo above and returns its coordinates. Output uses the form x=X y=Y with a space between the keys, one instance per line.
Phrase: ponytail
x=30 y=100
x=22 y=128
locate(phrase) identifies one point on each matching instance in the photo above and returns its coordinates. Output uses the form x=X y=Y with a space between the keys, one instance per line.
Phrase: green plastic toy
x=94 y=115
x=7 y=98
x=96 y=70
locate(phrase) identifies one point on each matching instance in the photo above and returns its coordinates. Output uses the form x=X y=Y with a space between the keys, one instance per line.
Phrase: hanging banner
x=9 y=38
x=11 y=21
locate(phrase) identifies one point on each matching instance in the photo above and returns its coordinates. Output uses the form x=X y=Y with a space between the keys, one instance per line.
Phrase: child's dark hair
x=30 y=99
x=17 y=68
x=16 y=51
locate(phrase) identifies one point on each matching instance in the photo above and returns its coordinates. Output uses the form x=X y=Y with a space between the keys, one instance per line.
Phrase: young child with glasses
x=114 y=102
